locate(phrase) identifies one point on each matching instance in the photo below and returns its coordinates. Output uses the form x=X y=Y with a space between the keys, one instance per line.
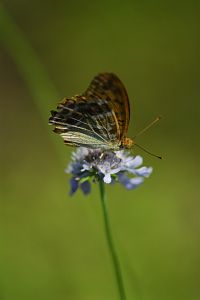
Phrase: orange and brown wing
x=109 y=87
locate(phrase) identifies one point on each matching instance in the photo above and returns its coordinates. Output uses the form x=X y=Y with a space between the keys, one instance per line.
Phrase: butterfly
x=96 y=119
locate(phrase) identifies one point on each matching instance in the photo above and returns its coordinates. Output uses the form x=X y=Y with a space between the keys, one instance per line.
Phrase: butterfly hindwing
x=88 y=122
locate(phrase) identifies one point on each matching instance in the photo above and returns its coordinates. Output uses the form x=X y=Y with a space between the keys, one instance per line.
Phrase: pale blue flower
x=90 y=165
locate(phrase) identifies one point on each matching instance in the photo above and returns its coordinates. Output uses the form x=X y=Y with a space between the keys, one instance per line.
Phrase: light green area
x=53 y=246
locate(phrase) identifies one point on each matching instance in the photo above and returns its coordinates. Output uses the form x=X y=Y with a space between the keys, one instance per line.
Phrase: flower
x=89 y=165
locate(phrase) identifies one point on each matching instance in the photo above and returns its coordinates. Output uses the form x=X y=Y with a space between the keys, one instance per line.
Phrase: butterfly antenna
x=148 y=126
x=152 y=154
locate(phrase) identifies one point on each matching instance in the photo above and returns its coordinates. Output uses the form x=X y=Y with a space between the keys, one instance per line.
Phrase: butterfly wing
x=109 y=87
x=88 y=122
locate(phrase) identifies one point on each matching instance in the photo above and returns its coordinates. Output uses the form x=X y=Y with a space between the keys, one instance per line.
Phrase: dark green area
x=53 y=246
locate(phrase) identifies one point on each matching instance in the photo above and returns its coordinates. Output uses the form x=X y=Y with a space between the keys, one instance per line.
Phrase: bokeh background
x=53 y=246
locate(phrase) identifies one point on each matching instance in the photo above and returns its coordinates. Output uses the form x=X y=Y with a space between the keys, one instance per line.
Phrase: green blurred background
x=53 y=246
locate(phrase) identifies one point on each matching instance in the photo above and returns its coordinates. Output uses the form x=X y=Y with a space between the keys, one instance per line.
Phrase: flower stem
x=115 y=260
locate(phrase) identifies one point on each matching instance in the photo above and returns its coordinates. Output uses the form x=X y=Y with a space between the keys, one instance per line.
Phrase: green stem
x=115 y=260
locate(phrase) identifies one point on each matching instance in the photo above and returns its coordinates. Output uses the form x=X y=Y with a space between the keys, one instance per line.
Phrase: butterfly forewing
x=108 y=86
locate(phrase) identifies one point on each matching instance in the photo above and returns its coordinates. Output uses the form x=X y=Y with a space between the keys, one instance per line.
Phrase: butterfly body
x=97 y=119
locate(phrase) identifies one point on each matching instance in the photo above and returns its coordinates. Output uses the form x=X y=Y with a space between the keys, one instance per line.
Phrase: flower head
x=93 y=165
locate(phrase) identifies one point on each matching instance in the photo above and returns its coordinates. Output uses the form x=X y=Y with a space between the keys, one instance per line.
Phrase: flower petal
x=135 y=162
x=107 y=178
x=129 y=183
x=74 y=186
x=144 y=171
x=85 y=187
x=85 y=167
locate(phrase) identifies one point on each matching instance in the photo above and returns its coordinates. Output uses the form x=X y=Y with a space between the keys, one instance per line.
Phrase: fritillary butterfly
x=96 y=119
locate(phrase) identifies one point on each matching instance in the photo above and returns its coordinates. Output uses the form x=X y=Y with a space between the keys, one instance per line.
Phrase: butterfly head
x=127 y=143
